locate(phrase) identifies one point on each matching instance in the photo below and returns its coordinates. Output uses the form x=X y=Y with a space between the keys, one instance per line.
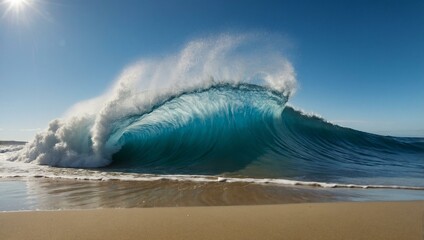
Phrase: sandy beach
x=364 y=220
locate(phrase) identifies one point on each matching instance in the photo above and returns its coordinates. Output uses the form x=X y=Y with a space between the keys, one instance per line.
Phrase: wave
x=319 y=150
x=223 y=128
x=216 y=110
x=89 y=135
x=247 y=131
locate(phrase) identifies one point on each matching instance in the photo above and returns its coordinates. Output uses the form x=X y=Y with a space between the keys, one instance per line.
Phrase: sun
x=17 y=5
x=17 y=9
x=23 y=12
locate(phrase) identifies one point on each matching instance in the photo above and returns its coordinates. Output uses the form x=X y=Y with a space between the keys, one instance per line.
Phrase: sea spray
x=82 y=139
x=293 y=149
x=214 y=111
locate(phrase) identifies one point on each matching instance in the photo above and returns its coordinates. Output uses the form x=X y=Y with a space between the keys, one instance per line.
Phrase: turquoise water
x=233 y=131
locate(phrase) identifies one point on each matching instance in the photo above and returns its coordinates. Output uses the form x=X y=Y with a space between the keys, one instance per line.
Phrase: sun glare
x=17 y=4
x=19 y=10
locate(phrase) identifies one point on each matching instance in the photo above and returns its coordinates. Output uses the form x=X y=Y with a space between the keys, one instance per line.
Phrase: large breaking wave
x=151 y=90
x=219 y=108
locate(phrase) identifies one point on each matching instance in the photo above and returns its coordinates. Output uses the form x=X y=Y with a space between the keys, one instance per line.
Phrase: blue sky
x=358 y=63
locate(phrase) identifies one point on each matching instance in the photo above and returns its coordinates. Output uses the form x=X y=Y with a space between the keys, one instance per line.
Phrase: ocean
x=237 y=136
x=216 y=116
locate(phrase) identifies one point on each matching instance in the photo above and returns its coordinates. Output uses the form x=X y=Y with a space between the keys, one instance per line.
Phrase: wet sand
x=50 y=194
x=371 y=220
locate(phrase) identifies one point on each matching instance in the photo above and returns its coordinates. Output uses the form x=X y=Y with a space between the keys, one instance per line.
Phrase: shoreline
x=48 y=194
x=53 y=194
x=340 y=220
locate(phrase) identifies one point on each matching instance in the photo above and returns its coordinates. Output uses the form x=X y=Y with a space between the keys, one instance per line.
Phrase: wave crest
x=86 y=137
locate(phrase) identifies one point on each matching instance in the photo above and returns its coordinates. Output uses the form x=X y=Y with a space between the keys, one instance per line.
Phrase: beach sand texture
x=365 y=220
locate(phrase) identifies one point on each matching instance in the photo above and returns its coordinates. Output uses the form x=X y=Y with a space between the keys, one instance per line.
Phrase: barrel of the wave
x=222 y=129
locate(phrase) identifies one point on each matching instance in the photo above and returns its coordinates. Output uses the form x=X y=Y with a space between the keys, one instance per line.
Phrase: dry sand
x=376 y=220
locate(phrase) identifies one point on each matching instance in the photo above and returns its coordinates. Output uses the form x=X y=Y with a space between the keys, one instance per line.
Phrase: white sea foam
x=10 y=148
x=14 y=170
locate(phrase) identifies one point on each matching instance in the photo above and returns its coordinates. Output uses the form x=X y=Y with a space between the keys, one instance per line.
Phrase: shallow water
x=47 y=194
x=54 y=194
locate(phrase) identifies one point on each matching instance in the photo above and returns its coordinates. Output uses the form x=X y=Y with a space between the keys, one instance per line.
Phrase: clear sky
x=359 y=63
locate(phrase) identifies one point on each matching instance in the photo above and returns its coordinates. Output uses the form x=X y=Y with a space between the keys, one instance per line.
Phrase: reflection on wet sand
x=48 y=194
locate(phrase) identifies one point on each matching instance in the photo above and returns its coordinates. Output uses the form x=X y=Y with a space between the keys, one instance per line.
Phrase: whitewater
x=215 y=111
